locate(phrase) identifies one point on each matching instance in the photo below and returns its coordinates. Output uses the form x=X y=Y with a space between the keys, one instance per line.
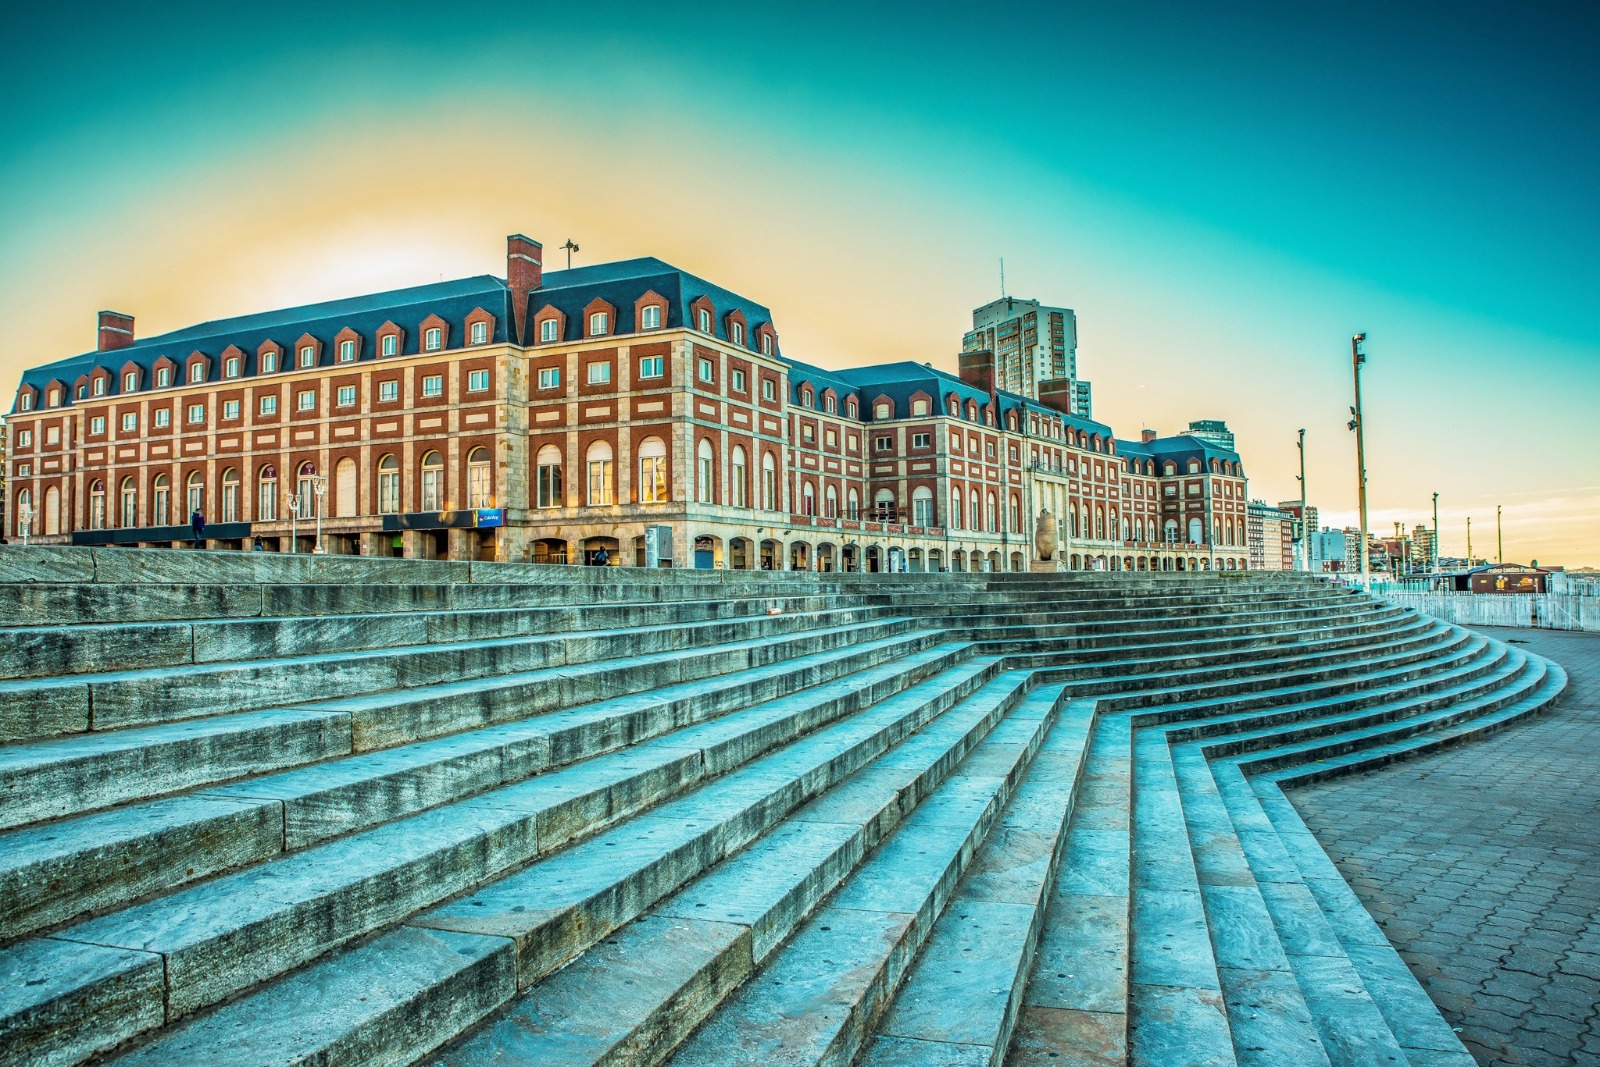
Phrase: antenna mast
x=1002 y=275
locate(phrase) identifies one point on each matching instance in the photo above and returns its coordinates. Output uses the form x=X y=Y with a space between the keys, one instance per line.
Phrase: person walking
x=602 y=558
x=197 y=523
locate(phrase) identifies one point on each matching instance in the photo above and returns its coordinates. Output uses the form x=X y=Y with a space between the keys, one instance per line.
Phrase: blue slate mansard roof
x=622 y=284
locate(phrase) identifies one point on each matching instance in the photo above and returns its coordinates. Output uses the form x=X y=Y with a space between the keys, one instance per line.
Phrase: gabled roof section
x=451 y=300
x=1183 y=446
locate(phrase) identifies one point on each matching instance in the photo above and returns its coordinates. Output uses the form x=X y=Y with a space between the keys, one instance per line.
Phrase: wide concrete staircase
x=283 y=810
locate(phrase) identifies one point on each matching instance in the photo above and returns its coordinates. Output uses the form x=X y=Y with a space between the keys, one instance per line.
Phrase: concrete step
x=981 y=952
x=816 y=999
x=630 y=991
x=56 y=650
x=223 y=936
x=1215 y=619
x=1075 y=1009
x=73 y=775
x=50 y=873
x=31 y=708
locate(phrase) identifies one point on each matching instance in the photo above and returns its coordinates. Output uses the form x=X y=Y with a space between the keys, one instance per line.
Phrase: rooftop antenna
x=571 y=246
x=1002 y=275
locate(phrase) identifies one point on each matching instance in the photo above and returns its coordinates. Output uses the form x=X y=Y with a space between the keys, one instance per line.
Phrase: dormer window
x=766 y=344
x=130 y=381
x=308 y=356
x=480 y=333
x=391 y=344
x=850 y=409
x=703 y=320
x=83 y=392
x=805 y=398
x=548 y=329
x=347 y=351
x=164 y=377
x=231 y=368
x=99 y=386
x=26 y=402
x=53 y=399
x=650 y=317
x=831 y=405
x=599 y=324
x=269 y=362
x=433 y=339
x=736 y=333
x=197 y=372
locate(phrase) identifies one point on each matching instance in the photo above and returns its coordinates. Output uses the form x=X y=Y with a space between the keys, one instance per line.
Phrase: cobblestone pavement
x=1482 y=863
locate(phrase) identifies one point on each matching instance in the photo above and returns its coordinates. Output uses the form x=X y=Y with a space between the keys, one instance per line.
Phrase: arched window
x=602 y=477
x=1197 y=531
x=305 y=487
x=1194 y=466
x=480 y=481
x=230 y=495
x=1100 y=523
x=1015 y=514
x=389 y=485
x=266 y=494
x=160 y=501
x=974 y=515
x=1170 y=531
x=549 y=492
x=1072 y=516
x=24 y=512
x=703 y=321
x=955 y=509
x=769 y=483
x=739 y=480
x=922 y=506
x=1138 y=529
x=853 y=502
x=652 y=471
x=97 y=506
x=993 y=513
x=883 y=506
x=706 y=473
x=1085 y=524
x=195 y=495
x=130 y=504
x=808 y=498
x=52 y=510
x=433 y=482
x=650 y=317
x=830 y=502
x=346 y=488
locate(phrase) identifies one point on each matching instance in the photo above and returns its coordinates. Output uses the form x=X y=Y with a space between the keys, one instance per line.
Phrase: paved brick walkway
x=1483 y=865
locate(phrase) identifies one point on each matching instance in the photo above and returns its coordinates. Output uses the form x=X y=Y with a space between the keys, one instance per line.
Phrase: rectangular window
x=955 y=441
x=769 y=389
x=736 y=379
x=97 y=425
x=650 y=317
x=832 y=439
x=230 y=409
x=882 y=443
x=24 y=438
x=269 y=405
x=599 y=324
x=477 y=380
x=130 y=421
x=548 y=329
x=433 y=385
x=269 y=362
x=347 y=396
x=652 y=367
x=391 y=344
x=164 y=377
x=921 y=440
x=163 y=416
x=52 y=435
x=347 y=351
x=389 y=391
x=599 y=373
x=480 y=333
x=197 y=413
x=707 y=371
x=433 y=340
x=231 y=368
x=197 y=372
x=308 y=356
x=27 y=398
x=549 y=377
x=306 y=400
x=808 y=433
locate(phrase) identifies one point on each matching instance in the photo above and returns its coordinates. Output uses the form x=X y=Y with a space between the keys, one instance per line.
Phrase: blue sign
x=491 y=517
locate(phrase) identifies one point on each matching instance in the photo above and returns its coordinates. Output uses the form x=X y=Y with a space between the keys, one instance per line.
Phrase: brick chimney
x=1146 y=436
x=977 y=370
x=524 y=273
x=116 y=331
x=1057 y=394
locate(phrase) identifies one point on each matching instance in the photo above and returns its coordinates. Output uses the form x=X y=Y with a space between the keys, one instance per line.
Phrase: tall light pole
x=25 y=513
x=1469 y=542
x=1305 y=530
x=319 y=485
x=1499 y=540
x=1358 y=357
x=294 y=522
x=1435 y=553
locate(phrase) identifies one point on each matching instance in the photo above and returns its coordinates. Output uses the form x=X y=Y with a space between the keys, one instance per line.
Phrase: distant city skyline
x=1223 y=198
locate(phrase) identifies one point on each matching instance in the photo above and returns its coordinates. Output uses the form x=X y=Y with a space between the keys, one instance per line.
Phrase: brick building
x=624 y=405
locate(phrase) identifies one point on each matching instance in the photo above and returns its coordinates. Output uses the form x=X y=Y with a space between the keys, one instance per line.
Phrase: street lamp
x=294 y=522
x=1305 y=529
x=1435 y=553
x=25 y=513
x=1499 y=539
x=319 y=486
x=1358 y=357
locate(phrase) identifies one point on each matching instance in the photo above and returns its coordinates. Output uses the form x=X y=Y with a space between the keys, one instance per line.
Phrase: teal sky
x=1224 y=195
